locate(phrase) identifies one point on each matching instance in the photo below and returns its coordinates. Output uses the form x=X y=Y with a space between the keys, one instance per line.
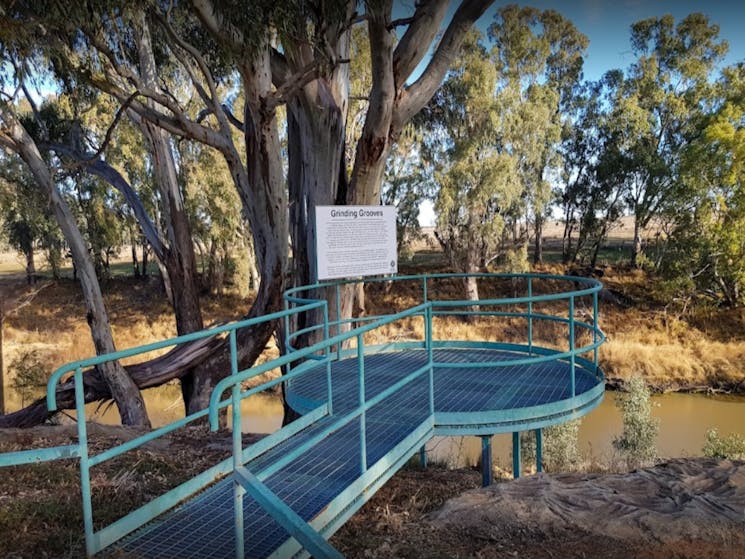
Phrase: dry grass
x=702 y=349
x=40 y=505
x=54 y=322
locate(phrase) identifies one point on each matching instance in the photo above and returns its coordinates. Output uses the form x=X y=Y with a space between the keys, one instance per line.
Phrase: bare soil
x=685 y=508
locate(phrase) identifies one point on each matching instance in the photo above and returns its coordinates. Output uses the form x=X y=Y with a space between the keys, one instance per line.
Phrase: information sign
x=354 y=241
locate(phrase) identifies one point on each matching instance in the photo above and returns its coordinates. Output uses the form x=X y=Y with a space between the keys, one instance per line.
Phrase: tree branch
x=424 y=25
x=220 y=29
x=96 y=166
x=416 y=96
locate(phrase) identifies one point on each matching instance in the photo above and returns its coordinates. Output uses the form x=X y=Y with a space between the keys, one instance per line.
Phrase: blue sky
x=607 y=24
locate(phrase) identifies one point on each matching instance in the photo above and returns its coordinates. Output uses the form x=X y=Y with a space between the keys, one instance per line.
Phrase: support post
x=516 y=458
x=361 y=402
x=91 y=547
x=538 y=450
x=423 y=457
x=486 y=471
x=530 y=315
x=572 y=359
x=595 y=330
x=237 y=439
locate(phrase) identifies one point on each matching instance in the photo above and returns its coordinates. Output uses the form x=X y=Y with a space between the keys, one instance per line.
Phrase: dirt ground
x=686 y=508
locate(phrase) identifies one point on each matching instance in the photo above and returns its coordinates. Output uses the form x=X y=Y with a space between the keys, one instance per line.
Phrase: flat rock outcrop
x=680 y=502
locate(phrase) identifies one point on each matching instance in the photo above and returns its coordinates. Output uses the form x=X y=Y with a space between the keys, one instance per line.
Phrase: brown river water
x=684 y=420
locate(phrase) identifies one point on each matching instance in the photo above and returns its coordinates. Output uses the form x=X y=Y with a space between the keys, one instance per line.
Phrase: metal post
x=530 y=316
x=538 y=450
x=85 y=475
x=595 y=329
x=238 y=490
x=571 y=343
x=423 y=457
x=329 y=389
x=486 y=471
x=361 y=401
x=430 y=357
x=338 y=320
x=516 y=458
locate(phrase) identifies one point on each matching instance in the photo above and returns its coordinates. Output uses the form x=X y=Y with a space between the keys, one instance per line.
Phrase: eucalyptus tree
x=706 y=248
x=664 y=92
x=538 y=56
x=279 y=53
x=591 y=192
x=26 y=221
x=16 y=139
x=477 y=176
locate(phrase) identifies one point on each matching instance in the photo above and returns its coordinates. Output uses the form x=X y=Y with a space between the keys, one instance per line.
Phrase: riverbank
x=675 y=345
x=683 y=508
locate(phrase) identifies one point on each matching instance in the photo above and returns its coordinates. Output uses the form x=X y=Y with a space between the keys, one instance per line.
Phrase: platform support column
x=516 y=458
x=486 y=471
x=538 y=450
x=423 y=457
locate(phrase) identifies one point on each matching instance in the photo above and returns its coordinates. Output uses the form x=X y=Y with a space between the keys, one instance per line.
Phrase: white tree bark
x=124 y=392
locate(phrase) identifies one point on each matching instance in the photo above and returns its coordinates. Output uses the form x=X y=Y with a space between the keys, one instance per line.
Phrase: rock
x=685 y=500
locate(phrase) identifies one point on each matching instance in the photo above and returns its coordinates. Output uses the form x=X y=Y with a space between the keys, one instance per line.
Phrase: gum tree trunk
x=124 y=392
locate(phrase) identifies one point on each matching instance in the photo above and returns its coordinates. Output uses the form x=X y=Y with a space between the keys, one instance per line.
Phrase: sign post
x=353 y=241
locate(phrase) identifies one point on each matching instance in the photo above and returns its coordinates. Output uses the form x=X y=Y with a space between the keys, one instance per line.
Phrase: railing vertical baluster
x=328 y=360
x=530 y=315
x=430 y=356
x=85 y=471
x=338 y=319
x=361 y=401
x=571 y=342
x=595 y=329
x=287 y=331
x=238 y=490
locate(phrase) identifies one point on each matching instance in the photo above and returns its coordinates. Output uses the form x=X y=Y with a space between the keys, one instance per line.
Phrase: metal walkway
x=365 y=411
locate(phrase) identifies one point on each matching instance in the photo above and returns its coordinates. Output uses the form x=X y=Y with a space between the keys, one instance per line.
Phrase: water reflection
x=684 y=420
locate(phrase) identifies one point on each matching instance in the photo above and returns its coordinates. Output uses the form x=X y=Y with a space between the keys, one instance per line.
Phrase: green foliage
x=706 y=243
x=560 y=447
x=659 y=107
x=24 y=215
x=637 y=442
x=30 y=372
x=731 y=447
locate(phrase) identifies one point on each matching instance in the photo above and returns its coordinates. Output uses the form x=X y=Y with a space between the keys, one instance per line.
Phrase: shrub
x=560 y=447
x=637 y=442
x=30 y=373
x=731 y=447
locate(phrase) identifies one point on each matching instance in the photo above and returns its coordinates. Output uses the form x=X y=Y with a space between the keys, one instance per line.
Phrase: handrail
x=589 y=287
x=55 y=378
x=297 y=301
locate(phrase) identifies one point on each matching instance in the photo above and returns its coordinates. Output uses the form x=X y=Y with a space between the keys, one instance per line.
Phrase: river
x=684 y=420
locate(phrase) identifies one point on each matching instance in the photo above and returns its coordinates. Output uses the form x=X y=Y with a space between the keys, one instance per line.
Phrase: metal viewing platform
x=371 y=392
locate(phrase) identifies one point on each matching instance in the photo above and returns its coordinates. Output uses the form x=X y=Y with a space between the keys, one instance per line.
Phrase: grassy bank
x=693 y=347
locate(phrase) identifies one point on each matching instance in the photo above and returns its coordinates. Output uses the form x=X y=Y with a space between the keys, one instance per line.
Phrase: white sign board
x=355 y=241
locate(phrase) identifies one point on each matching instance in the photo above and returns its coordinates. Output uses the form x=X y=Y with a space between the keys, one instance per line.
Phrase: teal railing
x=331 y=339
x=578 y=288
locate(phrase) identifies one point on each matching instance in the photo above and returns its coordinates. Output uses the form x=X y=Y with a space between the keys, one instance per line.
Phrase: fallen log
x=148 y=374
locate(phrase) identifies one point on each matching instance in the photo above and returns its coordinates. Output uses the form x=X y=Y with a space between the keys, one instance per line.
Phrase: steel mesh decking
x=203 y=526
x=457 y=389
